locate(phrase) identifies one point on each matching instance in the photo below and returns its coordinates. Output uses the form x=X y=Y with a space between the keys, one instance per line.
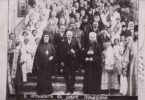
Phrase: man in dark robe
x=86 y=27
x=92 y=76
x=69 y=54
x=43 y=65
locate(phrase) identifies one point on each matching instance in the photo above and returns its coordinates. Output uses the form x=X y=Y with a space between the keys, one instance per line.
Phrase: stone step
x=31 y=87
x=79 y=79
x=77 y=73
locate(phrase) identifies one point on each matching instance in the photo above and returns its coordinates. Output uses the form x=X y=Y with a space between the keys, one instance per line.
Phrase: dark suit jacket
x=67 y=55
x=58 y=45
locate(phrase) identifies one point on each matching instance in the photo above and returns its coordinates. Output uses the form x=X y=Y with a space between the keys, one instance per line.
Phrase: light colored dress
x=109 y=75
x=133 y=75
x=26 y=60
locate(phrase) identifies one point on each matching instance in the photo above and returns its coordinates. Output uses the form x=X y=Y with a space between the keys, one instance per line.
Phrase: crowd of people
x=61 y=37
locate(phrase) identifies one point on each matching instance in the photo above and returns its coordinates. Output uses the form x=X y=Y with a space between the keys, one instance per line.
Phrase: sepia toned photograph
x=74 y=50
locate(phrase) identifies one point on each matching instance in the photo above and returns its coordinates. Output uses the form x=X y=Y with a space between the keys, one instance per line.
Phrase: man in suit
x=69 y=54
x=59 y=38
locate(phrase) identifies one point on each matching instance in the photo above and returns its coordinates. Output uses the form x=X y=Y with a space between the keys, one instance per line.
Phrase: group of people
x=65 y=36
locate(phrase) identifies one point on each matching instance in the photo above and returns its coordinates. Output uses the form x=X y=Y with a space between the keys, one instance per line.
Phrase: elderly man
x=69 y=54
x=59 y=38
x=93 y=70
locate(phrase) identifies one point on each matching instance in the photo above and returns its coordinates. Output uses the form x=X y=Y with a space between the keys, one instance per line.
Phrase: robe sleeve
x=97 y=54
x=53 y=52
x=36 y=63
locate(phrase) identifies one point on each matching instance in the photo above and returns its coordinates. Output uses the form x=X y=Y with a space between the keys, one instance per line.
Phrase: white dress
x=109 y=75
x=26 y=60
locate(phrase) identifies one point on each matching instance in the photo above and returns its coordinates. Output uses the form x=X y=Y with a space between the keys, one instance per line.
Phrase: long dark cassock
x=92 y=76
x=69 y=60
x=43 y=67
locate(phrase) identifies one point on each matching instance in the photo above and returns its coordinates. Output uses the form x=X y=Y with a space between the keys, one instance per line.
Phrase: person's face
x=34 y=33
x=31 y=17
x=109 y=30
x=128 y=41
x=85 y=3
x=30 y=23
x=82 y=13
x=37 y=25
x=36 y=9
x=62 y=21
x=124 y=28
x=47 y=6
x=46 y=39
x=127 y=10
x=20 y=43
x=116 y=41
x=132 y=32
x=78 y=25
x=90 y=11
x=53 y=6
x=96 y=18
x=62 y=30
x=118 y=20
x=95 y=25
x=26 y=41
x=76 y=5
x=69 y=35
x=25 y=34
x=91 y=38
x=115 y=30
x=122 y=38
x=81 y=1
x=37 y=41
x=77 y=15
x=72 y=21
x=27 y=28
x=85 y=20
x=123 y=23
x=50 y=23
x=73 y=9
x=53 y=14
x=81 y=5
x=131 y=25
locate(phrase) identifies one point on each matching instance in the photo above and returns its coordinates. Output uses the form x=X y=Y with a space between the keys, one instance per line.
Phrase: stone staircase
x=59 y=85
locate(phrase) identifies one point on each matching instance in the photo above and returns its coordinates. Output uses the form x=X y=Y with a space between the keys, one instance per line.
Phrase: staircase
x=59 y=85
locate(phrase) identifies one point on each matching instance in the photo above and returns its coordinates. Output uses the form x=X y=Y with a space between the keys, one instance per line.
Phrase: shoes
x=71 y=92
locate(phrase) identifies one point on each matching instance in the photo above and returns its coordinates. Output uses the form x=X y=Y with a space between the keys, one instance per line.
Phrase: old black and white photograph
x=74 y=49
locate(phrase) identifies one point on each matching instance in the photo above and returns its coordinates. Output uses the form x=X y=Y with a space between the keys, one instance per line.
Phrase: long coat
x=92 y=76
x=58 y=45
x=67 y=56
x=43 y=67
x=69 y=59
